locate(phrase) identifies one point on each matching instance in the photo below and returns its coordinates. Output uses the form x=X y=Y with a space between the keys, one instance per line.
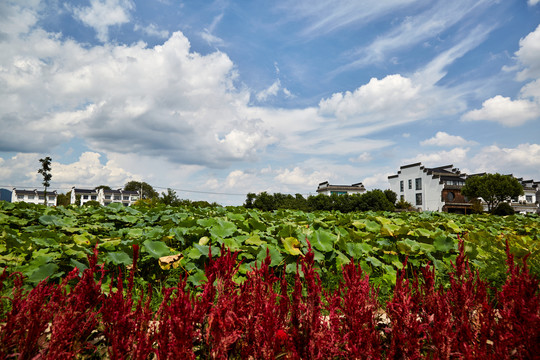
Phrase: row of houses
x=78 y=196
x=438 y=189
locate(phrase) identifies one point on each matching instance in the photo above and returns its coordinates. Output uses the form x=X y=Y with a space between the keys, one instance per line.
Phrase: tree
x=47 y=176
x=63 y=199
x=391 y=196
x=104 y=187
x=492 y=188
x=170 y=198
x=148 y=191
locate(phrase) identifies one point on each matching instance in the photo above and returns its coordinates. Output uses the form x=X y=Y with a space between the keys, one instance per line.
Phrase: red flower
x=281 y=336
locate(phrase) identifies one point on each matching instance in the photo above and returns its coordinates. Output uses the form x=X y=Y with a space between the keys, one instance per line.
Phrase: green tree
x=63 y=199
x=104 y=187
x=47 y=176
x=391 y=196
x=148 y=191
x=170 y=198
x=492 y=188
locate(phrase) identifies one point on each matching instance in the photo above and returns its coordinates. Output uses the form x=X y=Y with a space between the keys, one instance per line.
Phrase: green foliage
x=493 y=188
x=391 y=196
x=148 y=191
x=45 y=242
x=402 y=204
x=63 y=199
x=92 y=203
x=503 y=209
x=375 y=200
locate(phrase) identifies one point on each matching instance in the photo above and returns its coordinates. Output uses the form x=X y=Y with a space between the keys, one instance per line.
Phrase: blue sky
x=217 y=99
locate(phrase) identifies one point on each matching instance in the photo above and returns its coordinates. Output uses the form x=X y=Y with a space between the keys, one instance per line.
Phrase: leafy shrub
x=503 y=209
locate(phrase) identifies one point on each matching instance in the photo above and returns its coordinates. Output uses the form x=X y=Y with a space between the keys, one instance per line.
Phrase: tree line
x=376 y=200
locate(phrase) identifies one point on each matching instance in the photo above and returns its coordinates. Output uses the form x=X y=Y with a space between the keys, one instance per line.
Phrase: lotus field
x=228 y=282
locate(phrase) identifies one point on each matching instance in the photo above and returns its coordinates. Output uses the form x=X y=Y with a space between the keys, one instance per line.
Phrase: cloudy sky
x=217 y=99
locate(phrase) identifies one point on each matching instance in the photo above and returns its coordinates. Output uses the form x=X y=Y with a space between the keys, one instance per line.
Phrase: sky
x=215 y=99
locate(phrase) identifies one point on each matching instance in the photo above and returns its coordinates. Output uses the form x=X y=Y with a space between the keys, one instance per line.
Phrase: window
x=116 y=197
x=528 y=198
x=418 y=199
x=93 y=197
x=85 y=197
x=338 y=192
x=107 y=197
x=30 y=197
x=51 y=198
x=41 y=197
x=410 y=183
x=450 y=196
x=126 y=197
x=401 y=186
x=20 y=197
x=418 y=183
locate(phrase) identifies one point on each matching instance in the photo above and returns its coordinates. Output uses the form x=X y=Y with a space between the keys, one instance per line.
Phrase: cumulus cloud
x=162 y=101
x=299 y=176
x=94 y=171
x=522 y=161
x=390 y=101
x=528 y=55
x=442 y=138
x=101 y=14
x=457 y=155
x=533 y=2
x=516 y=112
x=505 y=111
x=21 y=170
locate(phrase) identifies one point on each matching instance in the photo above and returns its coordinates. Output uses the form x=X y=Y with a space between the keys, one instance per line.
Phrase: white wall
x=431 y=188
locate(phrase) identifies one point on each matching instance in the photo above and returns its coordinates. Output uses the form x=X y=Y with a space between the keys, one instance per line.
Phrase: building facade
x=104 y=196
x=33 y=196
x=430 y=189
x=327 y=189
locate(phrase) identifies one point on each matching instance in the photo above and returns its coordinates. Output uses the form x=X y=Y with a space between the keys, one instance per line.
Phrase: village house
x=33 y=196
x=104 y=196
x=431 y=189
x=327 y=189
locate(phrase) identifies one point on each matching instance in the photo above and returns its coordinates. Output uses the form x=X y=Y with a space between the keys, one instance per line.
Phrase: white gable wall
x=430 y=191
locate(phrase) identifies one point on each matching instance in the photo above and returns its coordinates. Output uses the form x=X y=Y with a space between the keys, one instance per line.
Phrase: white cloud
x=101 y=14
x=299 y=176
x=522 y=161
x=324 y=16
x=505 y=111
x=442 y=138
x=95 y=173
x=454 y=156
x=21 y=170
x=152 y=30
x=160 y=101
x=529 y=55
x=416 y=29
x=533 y=2
x=363 y=157
x=390 y=101
x=272 y=90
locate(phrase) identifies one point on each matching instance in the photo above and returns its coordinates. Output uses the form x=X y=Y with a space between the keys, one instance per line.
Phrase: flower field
x=216 y=283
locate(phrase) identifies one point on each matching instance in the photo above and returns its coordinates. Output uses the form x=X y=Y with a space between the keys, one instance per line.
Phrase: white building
x=430 y=189
x=327 y=189
x=104 y=196
x=528 y=202
x=85 y=195
x=33 y=196
x=127 y=198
